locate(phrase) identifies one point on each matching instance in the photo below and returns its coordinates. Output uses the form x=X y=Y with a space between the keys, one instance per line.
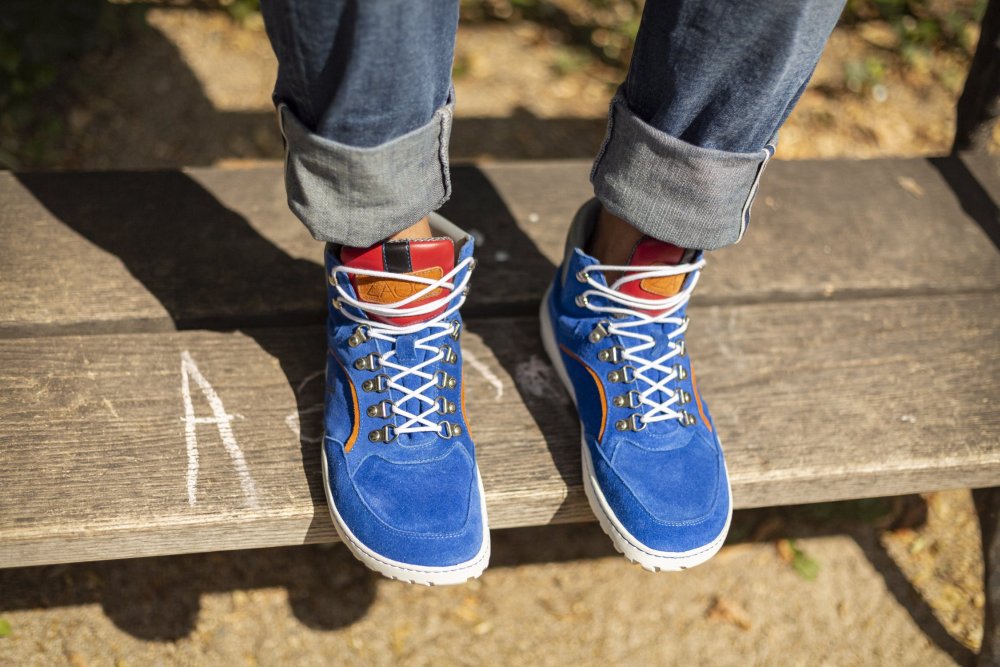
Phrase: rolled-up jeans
x=366 y=104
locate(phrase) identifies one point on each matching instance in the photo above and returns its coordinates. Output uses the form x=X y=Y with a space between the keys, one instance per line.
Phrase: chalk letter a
x=222 y=420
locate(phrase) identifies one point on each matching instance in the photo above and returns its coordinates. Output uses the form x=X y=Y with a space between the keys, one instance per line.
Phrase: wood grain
x=206 y=248
x=814 y=400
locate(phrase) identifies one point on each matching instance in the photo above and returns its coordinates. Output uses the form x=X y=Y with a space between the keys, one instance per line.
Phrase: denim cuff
x=672 y=190
x=360 y=196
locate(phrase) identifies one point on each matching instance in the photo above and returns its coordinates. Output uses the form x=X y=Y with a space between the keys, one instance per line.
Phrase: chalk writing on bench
x=485 y=371
x=536 y=378
x=292 y=420
x=222 y=421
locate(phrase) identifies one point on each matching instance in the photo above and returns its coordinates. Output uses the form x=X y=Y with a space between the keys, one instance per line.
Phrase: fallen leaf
x=789 y=552
x=807 y=568
x=785 y=550
x=910 y=186
x=728 y=611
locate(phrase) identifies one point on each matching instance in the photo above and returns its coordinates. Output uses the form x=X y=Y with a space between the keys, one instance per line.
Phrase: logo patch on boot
x=385 y=290
x=664 y=285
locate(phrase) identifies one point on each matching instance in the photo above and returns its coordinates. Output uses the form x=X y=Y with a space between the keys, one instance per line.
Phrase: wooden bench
x=162 y=346
x=161 y=351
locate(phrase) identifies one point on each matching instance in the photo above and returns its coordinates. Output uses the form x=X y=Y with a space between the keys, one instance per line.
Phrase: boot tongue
x=425 y=258
x=650 y=252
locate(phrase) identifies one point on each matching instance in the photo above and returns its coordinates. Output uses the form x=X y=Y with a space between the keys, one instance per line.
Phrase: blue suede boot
x=653 y=468
x=399 y=465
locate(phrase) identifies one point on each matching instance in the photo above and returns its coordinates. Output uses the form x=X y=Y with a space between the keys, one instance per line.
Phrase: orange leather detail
x=464 y=413
x=600 y=389
x=357 y=410
x=386 y=290
x=664 y=285
x=697 y=398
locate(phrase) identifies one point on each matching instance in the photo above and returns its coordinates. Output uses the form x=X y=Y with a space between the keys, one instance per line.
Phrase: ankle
x=419 y=230
x=612 y=242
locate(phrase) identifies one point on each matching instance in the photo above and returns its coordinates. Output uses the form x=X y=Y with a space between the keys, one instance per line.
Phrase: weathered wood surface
x=887 y=395
x=155 y=251
x=851 y=346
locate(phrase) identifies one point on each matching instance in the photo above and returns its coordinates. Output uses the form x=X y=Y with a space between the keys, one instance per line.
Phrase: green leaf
x=5 y=629
x=807 y=568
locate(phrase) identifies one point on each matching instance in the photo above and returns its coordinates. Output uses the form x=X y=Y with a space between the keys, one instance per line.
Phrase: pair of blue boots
x=399 y=465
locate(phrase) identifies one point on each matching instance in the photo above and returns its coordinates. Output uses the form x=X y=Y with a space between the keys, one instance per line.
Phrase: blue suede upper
x=415 y=499
x=666 y=484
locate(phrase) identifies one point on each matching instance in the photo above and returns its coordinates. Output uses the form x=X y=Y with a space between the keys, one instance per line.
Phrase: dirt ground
x=194 y=88
x=841 y=584
x=859 y=592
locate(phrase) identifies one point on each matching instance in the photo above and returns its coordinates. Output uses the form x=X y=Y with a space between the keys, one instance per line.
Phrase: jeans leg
x=365 y=104
x=692 y=127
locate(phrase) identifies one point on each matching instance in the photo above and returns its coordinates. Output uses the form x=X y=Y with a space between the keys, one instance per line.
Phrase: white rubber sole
x=413 y=574
x=624 y=542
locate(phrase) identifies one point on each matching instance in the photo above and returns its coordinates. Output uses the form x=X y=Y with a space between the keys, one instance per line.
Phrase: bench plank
x=891 y=395
x=207 y=248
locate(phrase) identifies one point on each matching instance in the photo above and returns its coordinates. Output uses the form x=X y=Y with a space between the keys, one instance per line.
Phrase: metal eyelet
x=448 y=431
x=687 y=419
x=473 y=264
x=685 y=397
x=581 y=276
x=368 y=363
x=681 y=372
x=383 y=409
x=682 y=347
x=442 y=380
x=613 y=354
x=385 y=434
x=622 y=375
x=633 y=423
x=456 y=329
x=600 y=332
x=378 y=384
x=359 y=336
x=449 y=354
x=336 y=304
x=627 y=400
x=581 y=301
x=446 y=407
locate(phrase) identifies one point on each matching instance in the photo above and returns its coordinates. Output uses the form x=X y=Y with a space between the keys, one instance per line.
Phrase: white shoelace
x=438 y=326
x=630 y=312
